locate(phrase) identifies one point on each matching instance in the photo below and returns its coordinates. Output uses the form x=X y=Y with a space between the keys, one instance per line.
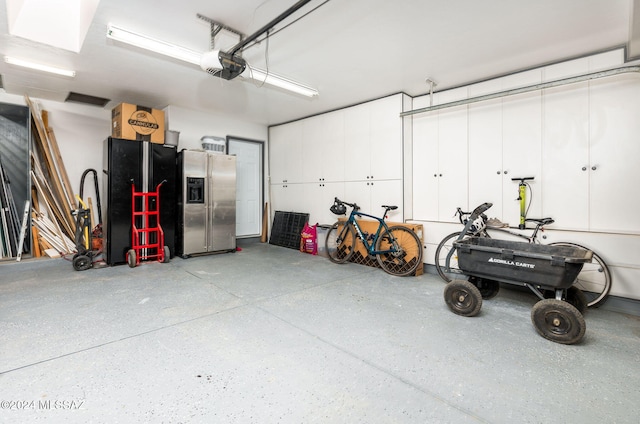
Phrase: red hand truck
x=147 y=237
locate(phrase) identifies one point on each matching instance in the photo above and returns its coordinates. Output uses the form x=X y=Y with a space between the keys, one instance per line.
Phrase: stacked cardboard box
x=135 y=122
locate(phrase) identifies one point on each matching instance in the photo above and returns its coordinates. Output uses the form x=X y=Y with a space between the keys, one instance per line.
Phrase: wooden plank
x=42 y=142
x=58 y=229
x=62 y=170
x=50 y=202
x=35 y=239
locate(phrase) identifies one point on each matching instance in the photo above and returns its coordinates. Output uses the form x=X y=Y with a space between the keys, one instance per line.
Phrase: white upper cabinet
x=440 y=171
x=323 y=144
x=373 y=140
x=613 y=155
x=565 y=156
x=357 y=133
x=355 y=153
x=285 y=153
x=385 y=145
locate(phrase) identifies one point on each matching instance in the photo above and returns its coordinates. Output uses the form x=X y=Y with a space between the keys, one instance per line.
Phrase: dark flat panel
x=163 y=167
x=123 y=159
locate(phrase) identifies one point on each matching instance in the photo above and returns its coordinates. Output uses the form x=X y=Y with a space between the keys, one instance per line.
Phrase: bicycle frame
x=365 y=237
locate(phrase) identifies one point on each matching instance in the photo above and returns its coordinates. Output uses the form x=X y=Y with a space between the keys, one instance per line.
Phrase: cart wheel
x=577 y=298
x=167 y=254
x=558 y=321
x=81 y=262
x=488 y=288
x=463 y=298
x=131 y=258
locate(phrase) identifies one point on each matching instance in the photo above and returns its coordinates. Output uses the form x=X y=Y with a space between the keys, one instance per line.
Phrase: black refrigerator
x=147 y=164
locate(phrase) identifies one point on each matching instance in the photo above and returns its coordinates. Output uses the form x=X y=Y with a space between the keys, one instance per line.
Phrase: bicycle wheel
x=594 y=280
x=340 y=242
x=446 y=259
x=406 y=254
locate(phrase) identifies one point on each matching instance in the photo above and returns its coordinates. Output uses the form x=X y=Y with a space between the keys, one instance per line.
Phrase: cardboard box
x=134 y=122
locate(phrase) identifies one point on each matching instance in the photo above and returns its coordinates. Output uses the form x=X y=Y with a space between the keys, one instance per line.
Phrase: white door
x=249 y=206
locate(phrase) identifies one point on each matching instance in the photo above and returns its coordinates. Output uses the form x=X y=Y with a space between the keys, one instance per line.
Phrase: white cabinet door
x=357 y=133
x=485 y=156
x=287 y=198
x=371 y=195
x=358 y=192
x=615 y=149
x=564 y=184
x=389 y=193
x=319 y=197
x=333 y=146
x=312 y=149
x=521 y=152
x=373 y=140
x=452 y=162
x=425 y=166
x=285 y=153
x=385 y=147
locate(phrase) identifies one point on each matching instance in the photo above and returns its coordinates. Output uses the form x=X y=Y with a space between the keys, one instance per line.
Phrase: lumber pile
x=52 y=199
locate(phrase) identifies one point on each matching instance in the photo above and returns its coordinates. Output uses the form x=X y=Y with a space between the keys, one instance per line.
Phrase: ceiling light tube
x=264 y=77
x=151 y=44
x=39 y=67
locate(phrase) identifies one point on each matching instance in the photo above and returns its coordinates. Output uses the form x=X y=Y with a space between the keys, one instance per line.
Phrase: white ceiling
x=350 y=50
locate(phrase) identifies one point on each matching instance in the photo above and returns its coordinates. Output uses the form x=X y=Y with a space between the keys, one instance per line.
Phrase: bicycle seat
x=391 y=208
x=541 y=221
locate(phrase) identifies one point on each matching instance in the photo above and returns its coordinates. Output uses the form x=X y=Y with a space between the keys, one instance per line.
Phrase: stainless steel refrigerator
x=206 y=203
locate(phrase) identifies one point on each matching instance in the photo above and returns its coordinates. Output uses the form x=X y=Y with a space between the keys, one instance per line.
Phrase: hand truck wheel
x=167 y=254
x=131 y=258
x=81 y=262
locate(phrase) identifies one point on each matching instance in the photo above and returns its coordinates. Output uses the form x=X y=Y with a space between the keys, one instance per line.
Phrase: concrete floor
x=271 y=335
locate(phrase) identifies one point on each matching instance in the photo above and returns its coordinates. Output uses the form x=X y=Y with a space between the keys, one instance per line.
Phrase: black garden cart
x=543 y=269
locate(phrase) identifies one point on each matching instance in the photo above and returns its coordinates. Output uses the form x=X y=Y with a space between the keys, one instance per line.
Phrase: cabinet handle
x=440 y=175
x=435 y=175
x=584 y=168
x=506 y=172
x=593 y=168
x=498 y=172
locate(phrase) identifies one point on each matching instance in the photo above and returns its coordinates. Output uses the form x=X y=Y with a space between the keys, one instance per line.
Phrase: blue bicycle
x=397 y=249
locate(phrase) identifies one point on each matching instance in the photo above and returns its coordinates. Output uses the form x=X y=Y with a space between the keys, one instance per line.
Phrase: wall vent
x=86 y=99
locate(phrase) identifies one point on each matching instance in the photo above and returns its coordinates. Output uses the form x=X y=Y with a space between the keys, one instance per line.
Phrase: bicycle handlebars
x=473 y=214
x=353 y=205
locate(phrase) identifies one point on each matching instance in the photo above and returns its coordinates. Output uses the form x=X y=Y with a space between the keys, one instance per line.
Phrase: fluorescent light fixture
x=157 y=46
x=39 y=67
x=264 y=77
x=190 y=56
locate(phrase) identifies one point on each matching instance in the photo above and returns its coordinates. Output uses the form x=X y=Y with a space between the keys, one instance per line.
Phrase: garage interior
x=420 y=104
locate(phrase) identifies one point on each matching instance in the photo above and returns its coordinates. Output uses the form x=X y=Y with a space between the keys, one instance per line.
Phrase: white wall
x=194 y=124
